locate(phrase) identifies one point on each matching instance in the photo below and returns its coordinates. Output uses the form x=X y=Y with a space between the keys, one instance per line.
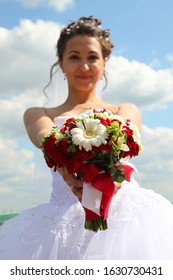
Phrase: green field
x=5 y=217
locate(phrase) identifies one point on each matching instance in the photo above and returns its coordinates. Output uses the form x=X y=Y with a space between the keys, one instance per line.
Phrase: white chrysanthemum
x=89 y=133
x=121 y=145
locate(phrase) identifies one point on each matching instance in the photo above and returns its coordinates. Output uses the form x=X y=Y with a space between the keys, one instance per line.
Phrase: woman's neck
x=83 y=99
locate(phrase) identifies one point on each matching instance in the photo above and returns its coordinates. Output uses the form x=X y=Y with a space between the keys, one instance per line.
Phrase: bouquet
x=92 y=146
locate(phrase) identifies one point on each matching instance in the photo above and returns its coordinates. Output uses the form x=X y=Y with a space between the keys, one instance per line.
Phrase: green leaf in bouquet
x=115 y=149
x=103 y=160
x=120 y=178
x=117 y=175
x=46 y=137
x=71 y=149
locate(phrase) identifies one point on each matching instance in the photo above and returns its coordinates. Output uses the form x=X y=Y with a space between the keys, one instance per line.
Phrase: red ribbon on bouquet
x=127 y=170
x=104 y=184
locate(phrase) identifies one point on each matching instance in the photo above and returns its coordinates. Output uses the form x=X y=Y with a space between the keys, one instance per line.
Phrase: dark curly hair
x=85 y=26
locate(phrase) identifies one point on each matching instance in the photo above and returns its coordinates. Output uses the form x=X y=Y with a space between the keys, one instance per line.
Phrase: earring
x=64 y=76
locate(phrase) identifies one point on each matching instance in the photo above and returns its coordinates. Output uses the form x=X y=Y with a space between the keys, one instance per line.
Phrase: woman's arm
x=38 y=124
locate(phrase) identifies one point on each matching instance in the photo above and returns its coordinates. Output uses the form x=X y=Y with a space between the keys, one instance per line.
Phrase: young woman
x=140 y=221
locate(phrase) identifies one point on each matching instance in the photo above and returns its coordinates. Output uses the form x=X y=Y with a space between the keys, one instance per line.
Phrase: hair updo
x=89 y=26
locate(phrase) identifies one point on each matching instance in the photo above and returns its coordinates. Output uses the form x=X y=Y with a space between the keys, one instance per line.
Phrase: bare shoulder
x=34 y=112
x=130 y=111
x=128 y=106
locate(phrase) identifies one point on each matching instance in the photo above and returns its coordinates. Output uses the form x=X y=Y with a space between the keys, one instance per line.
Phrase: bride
x=140 y=221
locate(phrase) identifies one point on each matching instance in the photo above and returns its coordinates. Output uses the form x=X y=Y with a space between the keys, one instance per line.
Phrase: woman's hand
x=117 y=186
x=75 y=184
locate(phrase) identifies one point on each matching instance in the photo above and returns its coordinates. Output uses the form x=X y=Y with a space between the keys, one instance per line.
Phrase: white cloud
x=155 y=63
x=28 y=51
x=156 y=162
x=59 y=5
x=20 y=188
x=139 y=83
x=170 y=58
x=16 y=167
x=12 y=110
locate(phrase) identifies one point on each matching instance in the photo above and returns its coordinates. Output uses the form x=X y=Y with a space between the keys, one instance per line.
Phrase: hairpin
x=68 y=30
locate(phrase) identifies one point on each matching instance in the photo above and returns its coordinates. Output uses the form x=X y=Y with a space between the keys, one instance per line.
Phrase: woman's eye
x=93 y=57
x=74 y=57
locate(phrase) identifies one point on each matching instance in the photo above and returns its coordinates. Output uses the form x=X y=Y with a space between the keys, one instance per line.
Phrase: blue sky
x=141 y=71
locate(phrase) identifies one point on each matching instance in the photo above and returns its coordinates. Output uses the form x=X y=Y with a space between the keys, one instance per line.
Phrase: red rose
x=133 y=149
x=63 y=130
x=63 y=146
x=49 y=163
x=69 y=124
x=58 y=158
x=127 y=131
x=82 y=155
x=106 y=147
x=68 y=121
x=73 y=165
x=105 y=122
x=49 y=146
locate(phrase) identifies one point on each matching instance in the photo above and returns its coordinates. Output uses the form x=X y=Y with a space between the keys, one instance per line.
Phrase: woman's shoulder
x=123 y=107
x=34 y=112
x=128 y=106
x=31 y=110
x=41 y=111
x=130 y=111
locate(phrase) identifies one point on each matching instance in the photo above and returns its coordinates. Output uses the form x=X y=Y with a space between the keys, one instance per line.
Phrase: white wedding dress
x=140 y=226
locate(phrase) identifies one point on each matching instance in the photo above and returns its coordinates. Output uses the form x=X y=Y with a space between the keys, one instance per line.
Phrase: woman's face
x=83 y=63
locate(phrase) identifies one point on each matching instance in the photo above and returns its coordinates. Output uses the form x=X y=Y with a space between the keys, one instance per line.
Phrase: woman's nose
x=84 y=66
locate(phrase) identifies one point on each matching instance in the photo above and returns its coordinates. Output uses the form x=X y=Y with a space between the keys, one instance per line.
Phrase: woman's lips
x=83 y=77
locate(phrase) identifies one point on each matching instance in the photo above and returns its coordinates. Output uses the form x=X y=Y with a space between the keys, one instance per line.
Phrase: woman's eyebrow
x=73 y=51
